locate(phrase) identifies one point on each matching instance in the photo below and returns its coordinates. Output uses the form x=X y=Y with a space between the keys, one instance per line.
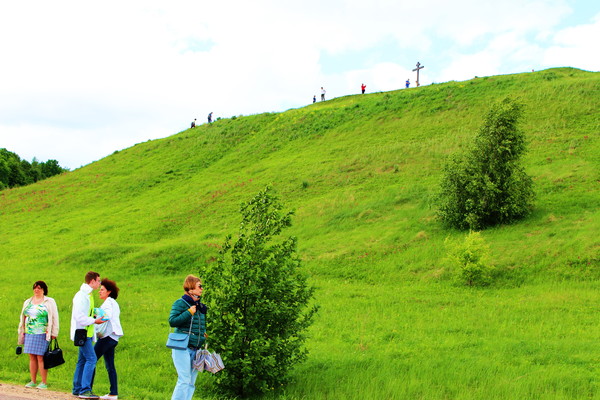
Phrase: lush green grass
x=361 y=172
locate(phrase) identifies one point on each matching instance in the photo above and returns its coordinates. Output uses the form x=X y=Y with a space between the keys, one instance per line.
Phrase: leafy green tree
x=17 y=176
x=35 y=171
x=51 y=168
x=4 y=173
x=29 y=173
x=471 y=260
x=259 y=301
x=487 y=185
x=16 y=172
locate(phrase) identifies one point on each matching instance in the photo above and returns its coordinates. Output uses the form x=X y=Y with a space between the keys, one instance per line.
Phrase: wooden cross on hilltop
x=417 y=69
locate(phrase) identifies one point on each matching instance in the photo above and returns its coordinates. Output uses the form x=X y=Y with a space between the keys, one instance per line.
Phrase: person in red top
x=363 y=87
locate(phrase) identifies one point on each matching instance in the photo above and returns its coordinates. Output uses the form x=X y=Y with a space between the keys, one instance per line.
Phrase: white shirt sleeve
x=81 y=310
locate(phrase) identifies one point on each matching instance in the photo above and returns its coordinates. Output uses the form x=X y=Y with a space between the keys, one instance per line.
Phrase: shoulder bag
x=80 y=337
x=179 y=340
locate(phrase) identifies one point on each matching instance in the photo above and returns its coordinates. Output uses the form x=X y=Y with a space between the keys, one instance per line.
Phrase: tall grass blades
x=361 y=173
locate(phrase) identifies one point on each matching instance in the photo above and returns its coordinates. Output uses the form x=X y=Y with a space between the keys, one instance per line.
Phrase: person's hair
x=112 y=287
x=42 y=286
x=90 y=276
x=190 y=282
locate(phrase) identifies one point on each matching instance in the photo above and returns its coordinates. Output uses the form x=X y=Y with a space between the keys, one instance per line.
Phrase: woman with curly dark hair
x=108 y=333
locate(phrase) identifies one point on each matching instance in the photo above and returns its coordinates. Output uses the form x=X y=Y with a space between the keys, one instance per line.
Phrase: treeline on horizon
x=15 y=172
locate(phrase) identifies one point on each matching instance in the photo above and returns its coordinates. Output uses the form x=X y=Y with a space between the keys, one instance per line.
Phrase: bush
x=258 y=301
x=487 y=186
x=470 y=259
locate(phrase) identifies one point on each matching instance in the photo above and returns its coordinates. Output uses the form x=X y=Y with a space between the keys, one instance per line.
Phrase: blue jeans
x=186 y=375
x=106 y=347
x=84 y=371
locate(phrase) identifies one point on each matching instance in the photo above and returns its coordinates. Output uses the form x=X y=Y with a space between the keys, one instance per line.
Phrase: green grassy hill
x=361 y=172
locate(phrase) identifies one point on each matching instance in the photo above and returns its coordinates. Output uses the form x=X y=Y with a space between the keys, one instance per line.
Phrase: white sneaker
x=109 y=397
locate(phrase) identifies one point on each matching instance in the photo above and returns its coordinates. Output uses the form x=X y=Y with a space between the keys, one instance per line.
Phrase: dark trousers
x=106 y=347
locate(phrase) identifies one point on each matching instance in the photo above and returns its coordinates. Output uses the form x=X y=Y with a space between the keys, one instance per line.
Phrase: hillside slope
x=360 y=171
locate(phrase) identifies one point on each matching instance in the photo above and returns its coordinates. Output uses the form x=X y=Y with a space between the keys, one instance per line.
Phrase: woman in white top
x=109 y=333
x=37 y=325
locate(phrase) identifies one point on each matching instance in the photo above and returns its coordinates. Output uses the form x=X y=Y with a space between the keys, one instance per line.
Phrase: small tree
x=487 y=185
x=471 y=260
x=258 y=301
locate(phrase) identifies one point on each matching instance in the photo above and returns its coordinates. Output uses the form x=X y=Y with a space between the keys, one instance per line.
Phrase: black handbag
x=80 y=337
x=53 y=356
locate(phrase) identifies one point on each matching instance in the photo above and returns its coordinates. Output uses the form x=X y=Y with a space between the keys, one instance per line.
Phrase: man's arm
x=81 y=310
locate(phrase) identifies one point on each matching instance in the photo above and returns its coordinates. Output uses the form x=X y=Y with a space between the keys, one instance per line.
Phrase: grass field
x=361 y=173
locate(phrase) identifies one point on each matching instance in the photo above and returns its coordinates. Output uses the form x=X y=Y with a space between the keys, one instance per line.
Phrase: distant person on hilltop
x=322 y=94
x=407 y=83
x=210 y=117
x=194 y=123
x=314 y=98
x=362 y=88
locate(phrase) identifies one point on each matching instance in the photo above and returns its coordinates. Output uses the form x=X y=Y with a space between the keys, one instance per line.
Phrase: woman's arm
x=81 y=310
x=107 y=306
x=53 y=316
x=179 y=316
x=21 y=328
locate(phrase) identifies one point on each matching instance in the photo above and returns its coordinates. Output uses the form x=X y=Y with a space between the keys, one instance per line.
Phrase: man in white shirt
x=82 y=317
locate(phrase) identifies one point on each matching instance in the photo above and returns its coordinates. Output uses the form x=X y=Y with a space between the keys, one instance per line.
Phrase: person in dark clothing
x=188 y=315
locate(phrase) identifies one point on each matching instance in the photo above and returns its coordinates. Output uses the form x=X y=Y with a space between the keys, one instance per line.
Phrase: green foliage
x=487 y=185
x=471 y=260
x=389 y=326
x=16 y=172
x=259 y=301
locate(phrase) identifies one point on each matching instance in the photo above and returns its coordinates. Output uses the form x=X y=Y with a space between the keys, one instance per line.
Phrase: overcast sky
x=81 y=79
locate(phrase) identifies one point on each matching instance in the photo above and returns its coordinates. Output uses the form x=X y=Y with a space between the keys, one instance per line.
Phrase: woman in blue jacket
x=188 y=315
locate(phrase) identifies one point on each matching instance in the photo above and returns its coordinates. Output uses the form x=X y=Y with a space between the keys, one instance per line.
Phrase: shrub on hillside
x=259 y=301
x=471 y=260
x=487 y=185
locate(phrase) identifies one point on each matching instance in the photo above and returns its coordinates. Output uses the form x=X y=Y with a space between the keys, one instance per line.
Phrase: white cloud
x=576 y=46
x=98 y=77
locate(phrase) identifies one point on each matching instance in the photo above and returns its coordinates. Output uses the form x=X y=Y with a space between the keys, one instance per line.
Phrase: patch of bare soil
x=13 y=392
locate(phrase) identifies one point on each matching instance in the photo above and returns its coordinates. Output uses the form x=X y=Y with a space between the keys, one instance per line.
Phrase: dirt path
x=12 y=392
